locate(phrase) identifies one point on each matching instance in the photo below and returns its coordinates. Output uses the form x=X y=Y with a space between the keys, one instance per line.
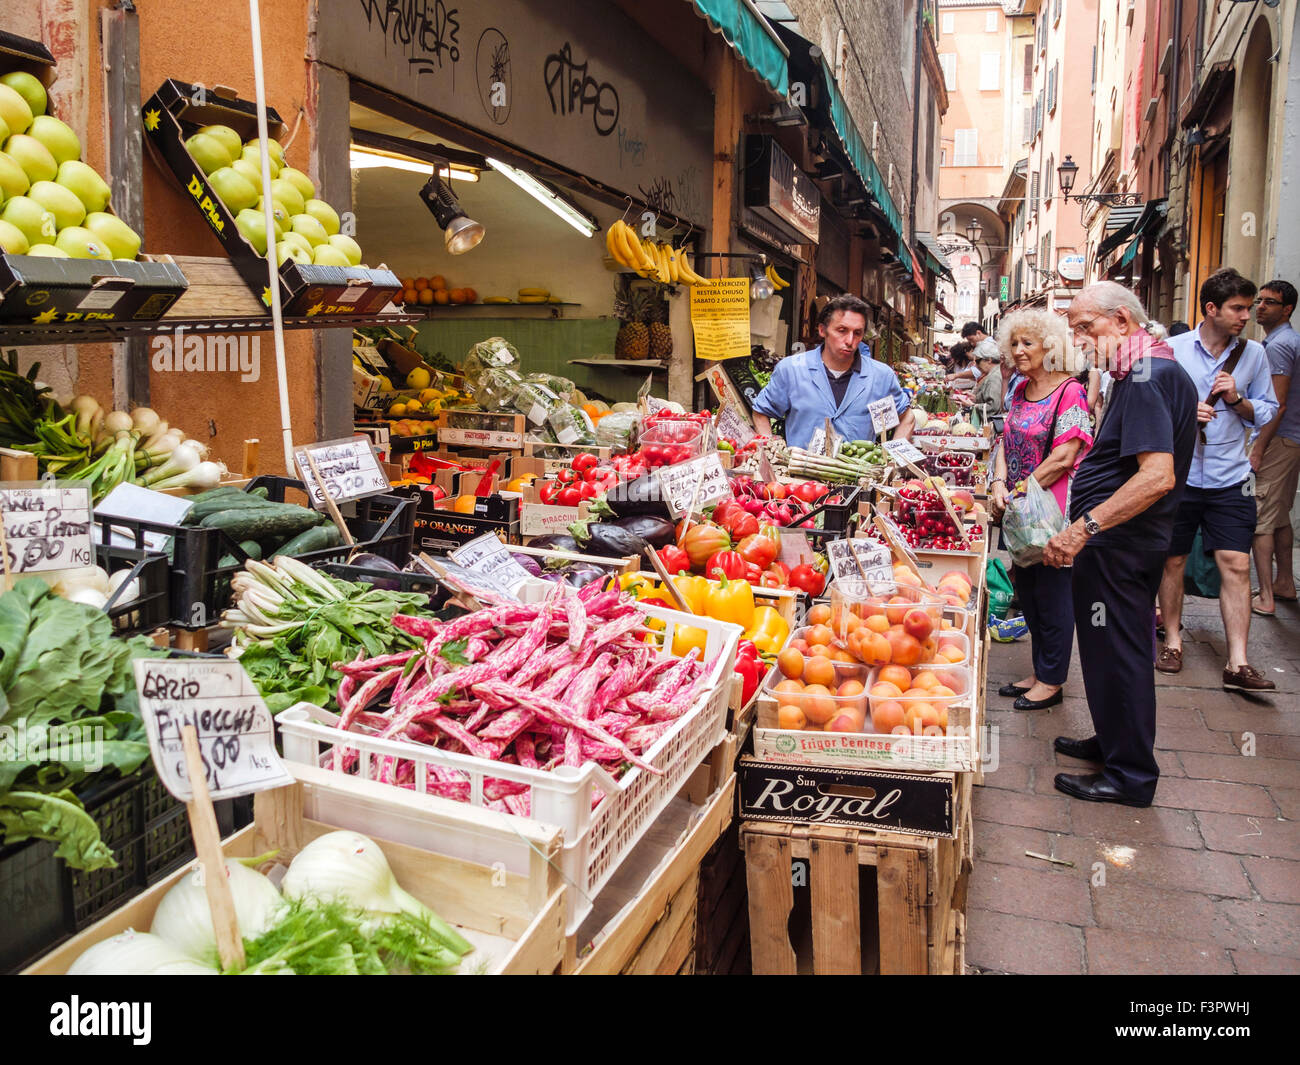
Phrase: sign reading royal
x=779 y=190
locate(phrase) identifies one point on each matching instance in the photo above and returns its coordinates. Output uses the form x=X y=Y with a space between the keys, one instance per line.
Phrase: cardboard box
x=482 y=429
x=921 y=804
x=440 y=530
x=540 y=519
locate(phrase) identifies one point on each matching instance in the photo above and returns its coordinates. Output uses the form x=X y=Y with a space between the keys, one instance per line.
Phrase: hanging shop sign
x=833 y=251
x=760 y=229
x=579 y=84
x=1071 y=268
x=778 y=190
x=720 y=318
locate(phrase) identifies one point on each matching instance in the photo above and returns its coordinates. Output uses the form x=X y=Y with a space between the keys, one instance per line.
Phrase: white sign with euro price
x=875 y=559
x=884 y=415
x=654 y=406
x=678 y=484
x=47 y=525
x=818 y=445
x=348 y=470
x=235 y=731
x=905 y=451
x=733 y=426
x=795 y=548
x=476 y=580
x=489 y=559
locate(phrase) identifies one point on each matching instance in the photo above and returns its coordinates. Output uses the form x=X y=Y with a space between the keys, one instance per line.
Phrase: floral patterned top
x=1027 y=424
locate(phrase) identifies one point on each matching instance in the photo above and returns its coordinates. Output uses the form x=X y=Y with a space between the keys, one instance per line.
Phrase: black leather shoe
x=1093 y=787
x=1011 y=691
x=1088 y=750
x=1024 y=703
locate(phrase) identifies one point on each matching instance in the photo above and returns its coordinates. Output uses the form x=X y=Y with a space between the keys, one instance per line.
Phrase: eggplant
x=528 y=562
x=628 y=500
x=658 y=532
x=556 y=542
x=611 y=541
x=369 y=561
x=583 y=573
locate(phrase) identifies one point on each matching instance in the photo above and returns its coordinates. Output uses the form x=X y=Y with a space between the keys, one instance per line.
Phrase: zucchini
x=317 y=539
x=250 y=547
x=256 y=523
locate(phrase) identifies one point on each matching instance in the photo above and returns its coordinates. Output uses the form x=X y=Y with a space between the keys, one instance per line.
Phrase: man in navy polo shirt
x=1235 y=389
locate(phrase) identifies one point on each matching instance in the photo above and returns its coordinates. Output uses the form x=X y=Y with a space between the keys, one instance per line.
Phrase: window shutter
x=990 y=22
x=948 y=61
x=1033 y=189
x=1029 y=68
x=989 y=68
x=1051 y=88
x=945 y=22
x=1028 y=124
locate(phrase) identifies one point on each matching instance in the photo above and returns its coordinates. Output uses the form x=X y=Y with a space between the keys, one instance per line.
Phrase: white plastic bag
x=1031 y=519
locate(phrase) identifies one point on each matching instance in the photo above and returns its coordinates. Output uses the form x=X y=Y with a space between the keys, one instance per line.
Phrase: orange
x=904 y=649
x=441 y=297
x=818 y=704
x=819 y=670
x=408 y=282
x=426 y=296
x=884 y=689
x=790 y=717
x=790 y=663
x=877 y=623
x=819 y=615
x=471 y=295
x=437 y=282
x=886 y=716
x=410 y=295
x=420 y=282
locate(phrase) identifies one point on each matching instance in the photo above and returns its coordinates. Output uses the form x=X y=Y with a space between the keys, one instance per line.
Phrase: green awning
x=935 y=257
x=904 y=256
x=1130 y=253
x=752 y=38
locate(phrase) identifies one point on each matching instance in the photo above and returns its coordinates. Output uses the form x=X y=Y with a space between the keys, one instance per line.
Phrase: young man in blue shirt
x=838 y=380
x=1219 y=498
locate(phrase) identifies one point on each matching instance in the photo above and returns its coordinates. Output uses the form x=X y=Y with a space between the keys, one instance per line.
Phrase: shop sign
x=918 y=275
x=1070 y=267
x=753 y=225
x=777 y=189
x=720 y=318
x=1004 y=288
x=45 y=527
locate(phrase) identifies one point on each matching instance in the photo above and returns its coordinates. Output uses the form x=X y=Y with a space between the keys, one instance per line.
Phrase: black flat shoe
x=1039 y=704
x=1093 y=787
x=1011 y=691
x=1088 y=750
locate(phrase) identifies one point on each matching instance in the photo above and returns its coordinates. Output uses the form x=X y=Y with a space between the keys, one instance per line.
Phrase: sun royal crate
x=174 y=112
x=596 y=836
x=45 y=901
x=496 y=430
x=42 y=290
x=910 y=888
x=515 y=927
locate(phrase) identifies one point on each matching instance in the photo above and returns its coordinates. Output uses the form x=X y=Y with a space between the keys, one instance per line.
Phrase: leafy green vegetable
x=454 y=652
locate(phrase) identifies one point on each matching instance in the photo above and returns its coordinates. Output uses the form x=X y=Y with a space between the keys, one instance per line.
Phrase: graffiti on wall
x=492 y=68
x=427 y=31
x=572 y=90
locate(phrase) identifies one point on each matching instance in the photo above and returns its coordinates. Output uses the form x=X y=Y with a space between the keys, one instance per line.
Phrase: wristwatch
x=1090 y=525
x=1234 y=402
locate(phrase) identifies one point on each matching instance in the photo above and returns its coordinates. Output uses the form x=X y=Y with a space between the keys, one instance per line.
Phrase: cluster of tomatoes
x=585 y=478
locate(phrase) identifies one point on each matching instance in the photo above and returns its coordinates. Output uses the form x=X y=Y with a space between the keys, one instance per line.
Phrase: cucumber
x=317 y=539
x=199 y=511
x=252 y=549
x=260 y=492
x=257 y=523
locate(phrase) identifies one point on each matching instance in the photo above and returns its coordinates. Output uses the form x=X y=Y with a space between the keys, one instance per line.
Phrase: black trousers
x=1045 y=600
x=1114 y=593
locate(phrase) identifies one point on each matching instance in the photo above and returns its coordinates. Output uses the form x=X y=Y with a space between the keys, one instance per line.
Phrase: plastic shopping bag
x=1201 y=576
x=1032 y=518
x=1001 y=590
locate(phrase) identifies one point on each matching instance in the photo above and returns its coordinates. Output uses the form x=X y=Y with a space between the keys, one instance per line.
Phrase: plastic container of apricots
x=915 y=698
x=815 y=693
x=882 y=624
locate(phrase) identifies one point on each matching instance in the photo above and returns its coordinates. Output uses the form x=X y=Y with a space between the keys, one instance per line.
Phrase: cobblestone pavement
x=1207 y=880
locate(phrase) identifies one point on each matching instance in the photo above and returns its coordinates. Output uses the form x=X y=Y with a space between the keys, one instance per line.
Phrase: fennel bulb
x=184 y=920
x=134 y=953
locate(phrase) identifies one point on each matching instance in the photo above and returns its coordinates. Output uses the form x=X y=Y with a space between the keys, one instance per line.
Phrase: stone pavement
x=1207 y=880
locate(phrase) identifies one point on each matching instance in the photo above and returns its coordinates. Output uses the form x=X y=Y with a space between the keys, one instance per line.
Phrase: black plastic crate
x=151 y=607
x=44 y=902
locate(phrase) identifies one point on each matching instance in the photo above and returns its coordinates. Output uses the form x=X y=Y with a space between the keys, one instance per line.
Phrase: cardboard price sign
x=720 y=318
x=348 y=470
x=235 y=732
x=884 y=415
x=45 y=526
x=859 y=559
x=904 y=451
x=488 y=560
x=795 y=548
x=733 y=425
x=820 y=444
x=702 y=480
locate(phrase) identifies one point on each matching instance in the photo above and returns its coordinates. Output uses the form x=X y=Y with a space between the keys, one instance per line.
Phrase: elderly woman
x=988 y=393
x=1046 y=433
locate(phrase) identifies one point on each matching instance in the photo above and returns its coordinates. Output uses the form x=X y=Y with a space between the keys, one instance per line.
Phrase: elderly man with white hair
x=1122 y=506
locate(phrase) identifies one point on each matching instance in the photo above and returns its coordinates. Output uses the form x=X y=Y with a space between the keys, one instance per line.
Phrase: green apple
x=248 y=170
x=348 y=247
x=298 y=241
x=208 y=152
x=63 y=203
x=287 y=193
x=328 y=255
x=15 y=111
x=80 y=179
x=324 y=214
x=49 y=251
x=123 y=241
x=285 y=250
x=305 y=225
x=233 y=189
x=252 y=223
x=35 y=159
x=81 y=243
x=228 y=138
x=273 y=149
x=253 y=154
x=13 y=179
x=300 y=181
x=281 y=213
x=4 y=131
x=33 y=220
x=57 y=136
x=27 y=86
x=13 y=242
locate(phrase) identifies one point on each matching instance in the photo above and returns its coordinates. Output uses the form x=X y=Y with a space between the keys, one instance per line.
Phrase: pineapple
x=633 y=340
x=661 y=340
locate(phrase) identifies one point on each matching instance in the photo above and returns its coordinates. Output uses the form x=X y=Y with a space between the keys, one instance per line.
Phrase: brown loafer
x=1170 y=660
x=1247 y=679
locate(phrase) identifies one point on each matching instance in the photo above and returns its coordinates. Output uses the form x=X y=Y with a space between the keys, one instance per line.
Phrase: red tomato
x=569 y=496
x=568 y=476
x=584 y=462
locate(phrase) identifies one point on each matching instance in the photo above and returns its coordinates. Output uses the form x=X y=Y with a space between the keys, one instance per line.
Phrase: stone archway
x=1246 y=221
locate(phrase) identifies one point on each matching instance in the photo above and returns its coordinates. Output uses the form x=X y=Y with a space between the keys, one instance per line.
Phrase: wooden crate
x=17 y=465
x=670 y=945
x=916 y=885
x=722 y=921
x=498 y=911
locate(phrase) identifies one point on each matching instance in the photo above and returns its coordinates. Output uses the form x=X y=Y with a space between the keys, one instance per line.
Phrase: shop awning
x=1149 y=214
x=1119 y=217
x=1113 y=240
x=1130 y=253
x=752 y=38
x=935 y=257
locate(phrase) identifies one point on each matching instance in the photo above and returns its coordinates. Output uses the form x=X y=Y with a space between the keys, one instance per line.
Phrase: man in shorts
x=1275 y=455
x=1235 y=389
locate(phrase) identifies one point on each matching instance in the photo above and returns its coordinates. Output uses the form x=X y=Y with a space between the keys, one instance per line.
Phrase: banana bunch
x=661 y=262
x=775 y=278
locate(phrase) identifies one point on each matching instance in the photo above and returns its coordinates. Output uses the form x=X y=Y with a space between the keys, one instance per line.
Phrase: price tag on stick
x=884 y=415
x=905 y=452
x=690 y=485
x=860 y=558
x=488 y=558
x=734 y=426
x=340 y=470
x=45 y=525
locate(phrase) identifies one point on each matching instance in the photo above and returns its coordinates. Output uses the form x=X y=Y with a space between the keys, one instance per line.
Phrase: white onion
x=116 y=581
x=87 y=597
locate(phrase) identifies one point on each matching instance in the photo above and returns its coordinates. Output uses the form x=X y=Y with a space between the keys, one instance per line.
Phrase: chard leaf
x=59 y=817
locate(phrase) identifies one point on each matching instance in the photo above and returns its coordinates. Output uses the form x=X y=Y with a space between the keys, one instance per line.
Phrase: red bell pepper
x=728 y=563
x=675 y=560
x=751 y=670
x=807 y=579
x=753 y=573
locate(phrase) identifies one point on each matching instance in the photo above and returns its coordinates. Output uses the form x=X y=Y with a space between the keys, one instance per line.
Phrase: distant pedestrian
x=1122 y=506
x=1275 y=455
x=1179 y=328
x=1232 y=374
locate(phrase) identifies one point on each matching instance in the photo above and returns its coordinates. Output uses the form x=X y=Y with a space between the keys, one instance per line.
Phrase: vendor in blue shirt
x=838 y=379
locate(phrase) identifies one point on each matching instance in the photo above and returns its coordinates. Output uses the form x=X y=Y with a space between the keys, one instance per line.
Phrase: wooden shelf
x=621 y=364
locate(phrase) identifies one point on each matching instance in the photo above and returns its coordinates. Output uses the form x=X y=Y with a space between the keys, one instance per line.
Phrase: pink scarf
x=1136 y=346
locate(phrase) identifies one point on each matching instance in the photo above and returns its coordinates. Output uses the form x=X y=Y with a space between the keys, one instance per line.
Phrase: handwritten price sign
x=236 y=736
x=905 y=451
x=348 y=469
x=46 y=526
x=491 y=565
x=884 y=415
x=678 y=483
x=733 y=426
x=875 y=559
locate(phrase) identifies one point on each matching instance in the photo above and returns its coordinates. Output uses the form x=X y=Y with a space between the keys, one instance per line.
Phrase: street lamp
x=1031 y=258
x=973 y=231
x=1066 y=172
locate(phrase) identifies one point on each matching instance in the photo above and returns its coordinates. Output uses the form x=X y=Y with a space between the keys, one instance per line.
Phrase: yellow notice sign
x=720 y=318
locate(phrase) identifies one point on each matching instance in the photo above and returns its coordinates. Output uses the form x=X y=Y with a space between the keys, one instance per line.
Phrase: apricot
x=886 y=715
x=846 y=721
x=789 y=688
x=820 y=634
x=818 y=704
x=897 y=608
x=818 y=615
x=884 y=689
x=896 y=675
x=904 y=649
x=877 y=623
x=919 y=716
x=819 y=670
x=790 y=663
x=925 y=679
x=790 y=717
x=875 y=649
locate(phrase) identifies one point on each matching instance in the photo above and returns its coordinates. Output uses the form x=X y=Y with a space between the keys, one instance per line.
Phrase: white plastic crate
x=595 y=839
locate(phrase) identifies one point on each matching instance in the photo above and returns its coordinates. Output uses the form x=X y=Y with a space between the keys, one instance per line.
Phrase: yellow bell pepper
x=769 y=630
x=636 y=585
x=695 y=590
x=687 y=636
x=731 y=601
